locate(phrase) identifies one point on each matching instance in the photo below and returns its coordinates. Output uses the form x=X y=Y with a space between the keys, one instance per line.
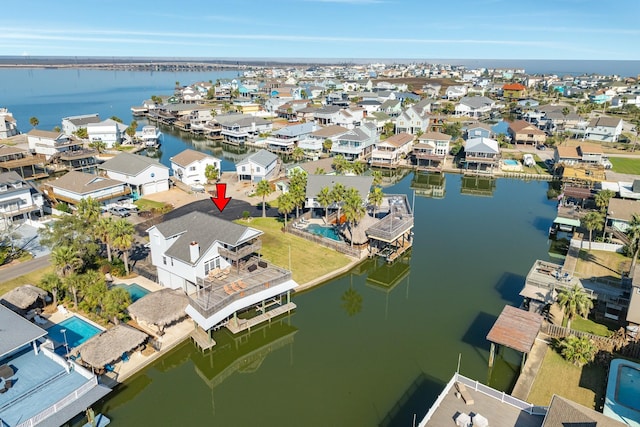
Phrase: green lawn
x=584 y=385
x=587 y=325
x=147 y=205
x=31 y=278
x=625 y=165
x=308 y=260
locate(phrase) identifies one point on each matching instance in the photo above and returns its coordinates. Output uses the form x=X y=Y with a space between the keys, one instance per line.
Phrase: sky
x=335 y=29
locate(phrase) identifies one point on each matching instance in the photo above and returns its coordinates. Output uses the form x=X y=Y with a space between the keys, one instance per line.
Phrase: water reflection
x=429 y=184
x=478 y=186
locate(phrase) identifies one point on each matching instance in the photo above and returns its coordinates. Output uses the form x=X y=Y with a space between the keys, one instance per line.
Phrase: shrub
x=246 y=215
x=63 y=207
x=117 y=268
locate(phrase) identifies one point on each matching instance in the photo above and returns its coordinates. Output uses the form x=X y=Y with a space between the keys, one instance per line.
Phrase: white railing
x=65 y=401
x=437 y=403
x=597 y=246
x=56 y=358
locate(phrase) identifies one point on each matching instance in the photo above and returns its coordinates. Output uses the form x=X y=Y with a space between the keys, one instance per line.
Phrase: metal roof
x=16 y=331
x=130 y=164
x=516 y=329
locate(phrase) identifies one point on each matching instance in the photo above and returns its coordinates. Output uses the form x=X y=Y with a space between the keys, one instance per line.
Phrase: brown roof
x=516 y=329
x=44 y=133
x=436 y=136
x=604 y=121
x=564 y=152
x=83 y=183
x=398 y=140
x=591 y=148
x=187 y=157
x=563 y=412
x=623 y=209
x=329 y=131
x=521 y=125
x=578 y=192
x=6 y=150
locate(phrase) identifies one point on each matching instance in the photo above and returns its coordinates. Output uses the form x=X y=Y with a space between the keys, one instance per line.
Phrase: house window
x=192 y=168
x=243 y=169
x=257 y=168
x=164 y=260
x=211 y=265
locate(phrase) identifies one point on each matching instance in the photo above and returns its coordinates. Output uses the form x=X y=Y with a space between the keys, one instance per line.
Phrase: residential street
x=17 y=270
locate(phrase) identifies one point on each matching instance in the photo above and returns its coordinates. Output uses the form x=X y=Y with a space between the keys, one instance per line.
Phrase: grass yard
x=308 y=260
x=625 y=165
x=584 y=385
x=587 y=325
x=603 y=264
x=31 y=278
x=147 y=205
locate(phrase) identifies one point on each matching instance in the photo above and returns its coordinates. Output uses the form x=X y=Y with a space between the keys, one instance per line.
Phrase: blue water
x=629 y=387
x=510 y=162
x=623 y=389
x=328 y=232
x=136 y=291
x=77 y=331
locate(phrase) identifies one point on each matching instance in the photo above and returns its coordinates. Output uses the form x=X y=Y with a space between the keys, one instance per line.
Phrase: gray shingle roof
x=205 y=230
x=315 y=183
x=296 y=130
x=482 y=145
x=188 y=156
x=476 y=101
x=130 y=164
x=262 y=158
x=83 y=183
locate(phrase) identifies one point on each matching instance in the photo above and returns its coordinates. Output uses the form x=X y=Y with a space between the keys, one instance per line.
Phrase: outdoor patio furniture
x=480 y=421
x=464 y=393
x=228 y=290
x=262 y=264
x=6 y=371
x=109 y=368
x=463 y=420
x=39 y=320
x=235 y=286
x=242 y=284
x=252 y=268
x=62 y=310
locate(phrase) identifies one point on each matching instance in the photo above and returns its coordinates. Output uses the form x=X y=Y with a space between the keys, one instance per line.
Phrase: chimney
x=194 y=252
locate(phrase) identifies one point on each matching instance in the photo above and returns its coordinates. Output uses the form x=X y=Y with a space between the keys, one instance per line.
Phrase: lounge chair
x=252 y=268
x=109 y=368
x=228 y=290
x=262 y=264
x=235 y=286
x=63 y=310
x=125 y=357
x=464 y=393
x=39 y=320
x=6 y=371
x=242 y=284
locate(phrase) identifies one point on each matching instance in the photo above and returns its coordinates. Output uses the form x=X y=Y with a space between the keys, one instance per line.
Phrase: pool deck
x=612 y=408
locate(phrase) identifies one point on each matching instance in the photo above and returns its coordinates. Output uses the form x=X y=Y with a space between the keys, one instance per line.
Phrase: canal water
x=373 y=347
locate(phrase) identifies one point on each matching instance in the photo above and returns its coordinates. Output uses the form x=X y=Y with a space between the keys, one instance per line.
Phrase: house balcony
x=255 y=276
x=29 y=160
x=77 y=154
x=117 y=193
x=238 y=253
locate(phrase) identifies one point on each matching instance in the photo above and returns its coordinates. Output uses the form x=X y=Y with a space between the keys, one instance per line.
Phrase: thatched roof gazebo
x=24 y=298
x=110 y=345
x=160 y=308
x=359 y=231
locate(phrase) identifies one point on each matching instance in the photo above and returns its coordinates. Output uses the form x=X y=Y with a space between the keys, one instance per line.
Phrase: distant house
x=584 y=154
x=189 y=166
x=315 y=184
x=143 y=174
x=8 y=124
x=514 y=91
x=75 y=186
x=481 y=154
x=108 y=131
x=241 y=128
x=389 y=152
x=478 y=130
x=392 y=107
x=18 y=198
x=606 y=129
x=51 y=144
x=312 y=144
x=474 y=106
x=455 y=92
x=285 y=140
x=258 y=166
x=523 y=132
x=431 y=150
x=356 y=144
x=412 y=120
x=327 y=115
x=72 y=124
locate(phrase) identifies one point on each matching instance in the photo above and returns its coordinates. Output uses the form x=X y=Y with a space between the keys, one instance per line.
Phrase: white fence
x=597 y=246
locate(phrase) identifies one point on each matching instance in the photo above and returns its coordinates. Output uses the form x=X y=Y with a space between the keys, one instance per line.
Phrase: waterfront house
x=478 y=130
x=40 y=386
x=189 y=166
x=214 y=261
x=142 y=174
x=619 y=216
x=13 y=158
x=108 y=131
x=523 y=132
x=313 y=143
x=474 y=106
x=284 y=140
x=584 y=154
x=257 y=166
x=481 y=154
x=149 y=135
x=315 y=184
x=240 y=128
x=606 y=129
x=431 y=150
x=75 y=186
x=514 y=91
x=455 y=92
x=18 y=198
x=8 y=124
x=391 y=151
x=51 y=144
x=356 y=144
x=412 y=120
x=72 y=124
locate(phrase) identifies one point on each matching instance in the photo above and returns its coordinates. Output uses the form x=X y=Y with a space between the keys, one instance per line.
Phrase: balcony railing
x=240 y=252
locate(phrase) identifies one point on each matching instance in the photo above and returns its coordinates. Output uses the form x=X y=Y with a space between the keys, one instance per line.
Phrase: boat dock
x=239 y=325
x=202 y=339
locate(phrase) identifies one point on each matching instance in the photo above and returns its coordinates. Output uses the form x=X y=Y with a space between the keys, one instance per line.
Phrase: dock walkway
x=239 y=325
x=202 y=340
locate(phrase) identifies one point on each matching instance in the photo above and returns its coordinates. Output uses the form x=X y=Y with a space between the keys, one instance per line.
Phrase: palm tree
x=33 y=121
x=297 y=154
x=52 y=283
x=211 y=172
x=354 y=210
x=103 y=231
x=592 y=221
x=578 y=351
x=375 y=199
x=377 y=177
x=116 y=300
x=66 y=260
x=603 y=198
x=74 y=283
x=337 y=196
x=285 y=206
x=327 y=144
x=574 y=302
x=325 y=199
x=122 y=239
x=89 y=210
x=263 y=190
x=297 y=189
x=98 y=145
x=633 y=232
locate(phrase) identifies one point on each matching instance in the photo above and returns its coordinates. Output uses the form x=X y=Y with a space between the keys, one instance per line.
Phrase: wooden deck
x=202 y=340
x=245 y=324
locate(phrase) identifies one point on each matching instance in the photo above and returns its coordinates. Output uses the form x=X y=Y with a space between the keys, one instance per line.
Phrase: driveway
x=29 y=240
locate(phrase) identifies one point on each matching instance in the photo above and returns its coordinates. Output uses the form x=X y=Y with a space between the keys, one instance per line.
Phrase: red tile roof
x=513 y=86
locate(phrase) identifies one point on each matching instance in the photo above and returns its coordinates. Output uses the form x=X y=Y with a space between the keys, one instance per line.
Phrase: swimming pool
x=136 y=291
x=623 y=389
x=77 y=331
x=328 y=232
x=510 y=162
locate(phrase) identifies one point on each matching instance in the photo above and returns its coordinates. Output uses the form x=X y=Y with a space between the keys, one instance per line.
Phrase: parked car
x=119 y=211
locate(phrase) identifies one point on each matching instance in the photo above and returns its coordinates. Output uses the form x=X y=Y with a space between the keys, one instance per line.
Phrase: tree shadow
x=594 y=377
x=414 y=403
x=509 y=287
x=589 y=257
x=138 y=253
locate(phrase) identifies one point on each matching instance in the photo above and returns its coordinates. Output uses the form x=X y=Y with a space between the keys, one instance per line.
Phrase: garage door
x=155 y=187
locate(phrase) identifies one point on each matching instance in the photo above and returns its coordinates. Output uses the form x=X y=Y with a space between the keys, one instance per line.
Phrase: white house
x=75 y=186
x=18 y=198
x=315 y=184
x=481 y=154
x=284 y=140
x=189 y=166
x=474 y=106
x=8 y=124
x=607 y=129
x=258 y=166
x=72 y=124
x=357 y=143
x=108 y=131
x=143 y=174
x=431 y=149
x=51 y=144
x=393 y=149
x=312 y=144
x=214 y=261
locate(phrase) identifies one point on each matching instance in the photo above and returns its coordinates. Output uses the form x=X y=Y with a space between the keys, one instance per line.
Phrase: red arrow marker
x=220 y=201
